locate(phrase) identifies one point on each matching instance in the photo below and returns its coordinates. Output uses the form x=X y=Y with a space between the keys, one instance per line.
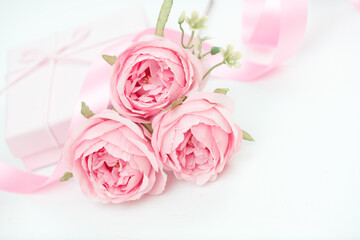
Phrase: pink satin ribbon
x=356 y=3
x=278 y=25
x=95 y=92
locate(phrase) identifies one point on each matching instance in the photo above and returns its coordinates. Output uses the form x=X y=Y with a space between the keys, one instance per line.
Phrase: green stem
x=190 y=40
x=182 y=36
x=215 y=66
x=206 y=53
x=200 y=52
x=163 y=17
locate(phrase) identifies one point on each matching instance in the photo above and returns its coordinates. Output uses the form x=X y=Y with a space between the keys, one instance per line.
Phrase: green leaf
x=85 y=110
x=206 y=38
x=176 y=103
x=66 y=176
x=109 y=59
x=221 y=90
x=148 y=127
x=163 y=17
x=215 y=50
x=247 y=136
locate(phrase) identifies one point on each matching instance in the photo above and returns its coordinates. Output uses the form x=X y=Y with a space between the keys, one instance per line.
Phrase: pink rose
x=150 y=75
x=196 y=139
x=113 y=160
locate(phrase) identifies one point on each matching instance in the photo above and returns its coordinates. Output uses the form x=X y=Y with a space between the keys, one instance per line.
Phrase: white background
x=299 y=180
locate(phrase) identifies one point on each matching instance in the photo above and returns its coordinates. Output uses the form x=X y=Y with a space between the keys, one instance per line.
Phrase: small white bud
x=181 y=18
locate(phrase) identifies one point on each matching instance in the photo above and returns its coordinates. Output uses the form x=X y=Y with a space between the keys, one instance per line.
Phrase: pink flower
x=150 y=75
x=113 y=160
x=196 y=139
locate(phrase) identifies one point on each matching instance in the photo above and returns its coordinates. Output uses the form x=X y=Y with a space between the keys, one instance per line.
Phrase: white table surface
x=299 y=180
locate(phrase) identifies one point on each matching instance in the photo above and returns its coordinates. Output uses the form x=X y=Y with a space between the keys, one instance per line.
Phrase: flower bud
x=215 y=50
x=181 y=18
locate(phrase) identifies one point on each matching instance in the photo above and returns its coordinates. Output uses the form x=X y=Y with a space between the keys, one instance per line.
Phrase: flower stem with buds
x=190 y=40
x=182 y=36
x=206 y=54
x=200 y=54
x=215 y=66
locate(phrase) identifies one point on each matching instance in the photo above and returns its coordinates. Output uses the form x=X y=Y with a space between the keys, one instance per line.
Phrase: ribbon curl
x=277 y=26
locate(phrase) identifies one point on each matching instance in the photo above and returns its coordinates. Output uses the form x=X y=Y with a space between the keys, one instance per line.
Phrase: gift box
x=47 y=76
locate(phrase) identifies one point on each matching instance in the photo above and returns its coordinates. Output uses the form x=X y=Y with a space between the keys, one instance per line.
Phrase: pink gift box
x=49 y=74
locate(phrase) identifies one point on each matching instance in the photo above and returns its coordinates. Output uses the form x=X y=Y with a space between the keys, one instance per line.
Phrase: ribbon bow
x=37 y=58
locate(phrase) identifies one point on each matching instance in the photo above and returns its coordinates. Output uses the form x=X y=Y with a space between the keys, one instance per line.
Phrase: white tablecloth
x=299 y=180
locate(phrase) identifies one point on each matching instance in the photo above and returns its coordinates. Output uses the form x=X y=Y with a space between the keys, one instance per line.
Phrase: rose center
x=113 y=174
x=146 y=79
x=149 y=82
x=194 y=155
